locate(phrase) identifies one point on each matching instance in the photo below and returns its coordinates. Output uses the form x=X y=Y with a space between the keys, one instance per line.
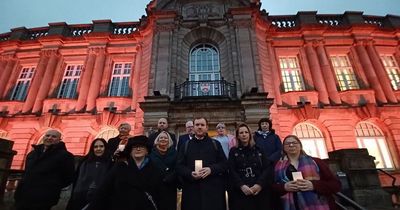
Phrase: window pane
x=70 y=81
x=291 y=74
x=344 y=72
x=119 y=85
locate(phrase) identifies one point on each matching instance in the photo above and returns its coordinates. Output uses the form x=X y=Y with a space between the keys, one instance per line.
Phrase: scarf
x=264 y=134
x=306 y=200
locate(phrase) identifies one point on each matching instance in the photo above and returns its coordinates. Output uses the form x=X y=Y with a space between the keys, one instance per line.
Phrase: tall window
x=70 y=81
x=392 y=69
x=312 y=140
x=291 y=74
x=108 y=133
x=344 y=72
x=204 y=68
x=119 y=85
x=22 y=85
x=371 y=138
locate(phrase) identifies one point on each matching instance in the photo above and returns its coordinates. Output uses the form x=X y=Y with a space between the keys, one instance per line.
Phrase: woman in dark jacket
x=89 y=175
x=132 y=184
x=267 y=140
x=164 y=157
x=303 y=182
x=250 y=174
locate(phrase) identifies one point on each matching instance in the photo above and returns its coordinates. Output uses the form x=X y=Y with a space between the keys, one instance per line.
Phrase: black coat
x=270 y=144
x=46 y=173
x=166 y=163
x=208 y=193
x=125 y=188
x=249 y=166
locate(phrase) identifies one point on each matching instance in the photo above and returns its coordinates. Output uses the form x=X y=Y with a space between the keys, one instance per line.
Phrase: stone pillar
x=135 y=80
x=316 y=73
x=5 y=76
x=95 y=82
x=363 y=177
x=154 y=108
x=36 y=80
x=276 y=75
x=370 y=73
x=328 y=74
x=256 y=106
x=381 y=73
x=85 y=81
x=3 y=64
x=45 y=85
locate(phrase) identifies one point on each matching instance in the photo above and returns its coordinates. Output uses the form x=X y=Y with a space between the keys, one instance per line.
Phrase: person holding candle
x=303 y=182
x=250 y=174
x=201 y=165
x=133 y=184
x=164 y=156
x=117 y=144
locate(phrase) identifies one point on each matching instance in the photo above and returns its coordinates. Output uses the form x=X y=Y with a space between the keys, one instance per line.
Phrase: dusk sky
x=38 y=13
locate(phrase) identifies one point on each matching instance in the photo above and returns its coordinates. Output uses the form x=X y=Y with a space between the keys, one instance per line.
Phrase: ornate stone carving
x=96 y=50
x=202 y=11
x=165 y=27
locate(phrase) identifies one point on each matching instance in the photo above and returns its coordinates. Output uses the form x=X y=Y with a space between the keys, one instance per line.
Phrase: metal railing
x=346 y=201
x=205 y=88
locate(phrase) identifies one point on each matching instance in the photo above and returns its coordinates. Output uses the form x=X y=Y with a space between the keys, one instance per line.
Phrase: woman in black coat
x=164 y=157
x=250 y=174
x=89 y=175
x=133 y=184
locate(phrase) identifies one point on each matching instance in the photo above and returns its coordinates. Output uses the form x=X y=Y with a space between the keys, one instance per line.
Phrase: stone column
x=45 y=85
x=275 y=73
x=135 y=80
x=328 y=74
x=37 y=80
x=95 y=82
x=3 y=63
x=370 y=73
x=316 y=73
x=5 y=76
x=86 y=77
x=381 y=73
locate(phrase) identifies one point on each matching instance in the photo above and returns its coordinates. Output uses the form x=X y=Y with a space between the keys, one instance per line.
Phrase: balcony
x=205 y=88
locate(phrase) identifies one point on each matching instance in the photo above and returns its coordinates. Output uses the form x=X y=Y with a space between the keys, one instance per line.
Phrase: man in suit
x=186 y=137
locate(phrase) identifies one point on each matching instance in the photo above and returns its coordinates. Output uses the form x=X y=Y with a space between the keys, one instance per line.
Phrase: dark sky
x=37 y=13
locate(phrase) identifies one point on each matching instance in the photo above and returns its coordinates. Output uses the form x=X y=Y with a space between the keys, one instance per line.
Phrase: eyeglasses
x=219 y=127
x=291 y=143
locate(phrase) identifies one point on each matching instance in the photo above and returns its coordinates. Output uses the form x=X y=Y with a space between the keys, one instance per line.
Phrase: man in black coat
x=201 y=165
x=114 y=147
x=162 y=125
x=49 y=168
x=187 y=136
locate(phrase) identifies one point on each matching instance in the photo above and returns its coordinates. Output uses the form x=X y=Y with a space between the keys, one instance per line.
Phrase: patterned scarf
x=264 y=134
x=306 y=200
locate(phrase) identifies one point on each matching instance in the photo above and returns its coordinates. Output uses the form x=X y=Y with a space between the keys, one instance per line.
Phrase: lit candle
x=198 y=164
x=297 y=175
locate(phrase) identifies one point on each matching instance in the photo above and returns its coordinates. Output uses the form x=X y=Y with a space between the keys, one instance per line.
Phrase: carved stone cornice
x=48 y=52
x=96 y=50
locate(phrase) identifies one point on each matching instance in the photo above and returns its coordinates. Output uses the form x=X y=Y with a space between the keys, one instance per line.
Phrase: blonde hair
x=251 y=140
x=170 y=142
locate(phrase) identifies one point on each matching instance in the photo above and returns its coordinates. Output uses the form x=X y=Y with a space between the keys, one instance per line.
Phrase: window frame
x=313 y=137
x=70 y=82
x=392 y=71
x=291 y=75
x=23 y=83
x=121 y=80
x=345 y=75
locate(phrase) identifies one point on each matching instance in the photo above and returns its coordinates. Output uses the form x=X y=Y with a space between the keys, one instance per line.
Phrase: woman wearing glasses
x=303 y=182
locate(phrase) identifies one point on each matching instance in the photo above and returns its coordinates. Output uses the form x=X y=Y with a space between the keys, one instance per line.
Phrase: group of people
x=256 y=170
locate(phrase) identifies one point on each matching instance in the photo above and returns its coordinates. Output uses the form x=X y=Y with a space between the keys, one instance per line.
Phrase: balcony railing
x=205 y=88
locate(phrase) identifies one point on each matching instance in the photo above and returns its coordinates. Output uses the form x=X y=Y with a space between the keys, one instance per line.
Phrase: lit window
x=108 y=133
x=70 y=81
x=119 y=85
x=291 y=74
x=371 y=138
x=204 y=71
x=344 y=72
x=22 y=85
x=312 y=140
x=392 y=69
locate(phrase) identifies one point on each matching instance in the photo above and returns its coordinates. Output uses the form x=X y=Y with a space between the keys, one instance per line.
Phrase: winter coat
x=88 y=177
x=46 y=173
x=271 y=145
x=207 y=193
x=249 y=166
x=166 y=163
x=127 y=187
x=154 y=135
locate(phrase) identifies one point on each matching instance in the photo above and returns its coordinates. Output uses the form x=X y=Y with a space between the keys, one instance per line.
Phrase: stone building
x=333 y=80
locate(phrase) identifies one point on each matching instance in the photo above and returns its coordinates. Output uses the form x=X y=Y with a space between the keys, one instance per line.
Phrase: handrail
x=390 y=175
x=349 y=201
x=205 y=88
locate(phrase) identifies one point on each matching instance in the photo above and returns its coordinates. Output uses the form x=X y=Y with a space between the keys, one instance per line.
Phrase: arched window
x=371 y=137
x=204 y=70
x=108 y=133
x=312 y=139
